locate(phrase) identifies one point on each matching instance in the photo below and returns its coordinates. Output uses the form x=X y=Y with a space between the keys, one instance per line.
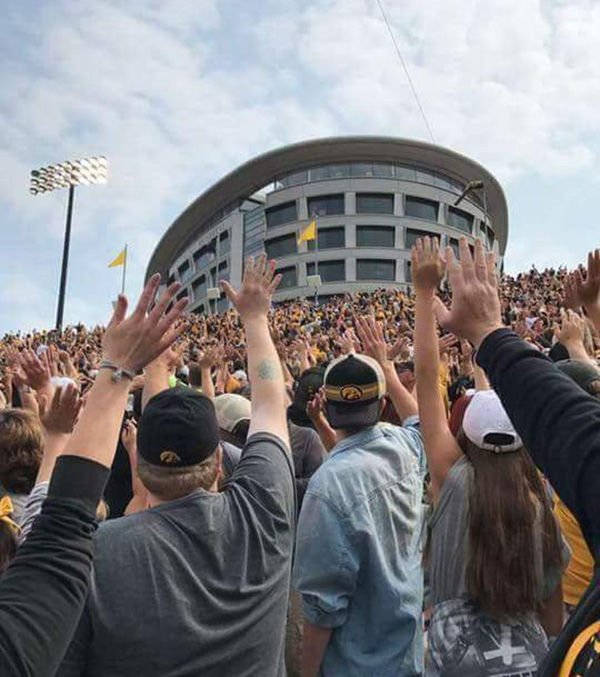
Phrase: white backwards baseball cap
x=487 y=426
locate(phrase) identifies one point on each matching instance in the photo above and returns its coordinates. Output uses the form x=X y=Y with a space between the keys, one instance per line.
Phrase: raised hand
x=129 y=438
x=401 y=349
x=587 y=284
x=60 y=415
x=253 y=299
x=428 y=266
x=571 y=333
x=133 y=342
x=475 y=310
x=36 y=372
x=447 y=342
x=211 y=357
x=315 y=408
x=374 y=344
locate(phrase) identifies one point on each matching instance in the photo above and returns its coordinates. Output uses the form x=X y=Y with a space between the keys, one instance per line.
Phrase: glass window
x=374 y=203
x=183 y=294
x=383 y=171
x=412 y=235
x=455 y=248
x=405 y=173
x=289 y=277
x=326 y=205
x=224 y=243
x=490 y=235
x=295 y=179
x=319 y=173
x=171 y=279
x=281 y=246
x=425 y=176
x=376 y=269
x=199 y=287
x=205 y=255
x=185 y=272
x=375 y=236
x=329 y=238
x=362 y=169
x=408 y=271
x=280 y=214
x=222 y=304
x=457 y=218
x=339 y=171
x=420 y=208
x=330 y=271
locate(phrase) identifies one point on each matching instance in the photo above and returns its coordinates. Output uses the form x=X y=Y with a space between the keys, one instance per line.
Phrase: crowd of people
x=389 y=483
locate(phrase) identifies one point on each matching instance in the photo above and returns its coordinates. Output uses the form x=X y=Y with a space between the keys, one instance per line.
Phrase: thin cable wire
x=410 y=82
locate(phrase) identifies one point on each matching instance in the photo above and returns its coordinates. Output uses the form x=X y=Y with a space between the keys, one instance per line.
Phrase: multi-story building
x=371 y=197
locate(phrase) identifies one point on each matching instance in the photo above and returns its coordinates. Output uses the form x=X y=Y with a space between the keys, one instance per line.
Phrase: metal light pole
x=470 y=187
x=67 y=175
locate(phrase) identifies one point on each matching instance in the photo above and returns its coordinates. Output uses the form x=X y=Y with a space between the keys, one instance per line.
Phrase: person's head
x=354 y=393
x=178 y=444
x=507 y=505
x=233 y=414
x=21 y=447
x=306 y=387
x=241 y=377
x=406 y=374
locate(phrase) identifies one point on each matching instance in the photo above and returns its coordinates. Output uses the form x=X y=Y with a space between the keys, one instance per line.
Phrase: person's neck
x=154 y=501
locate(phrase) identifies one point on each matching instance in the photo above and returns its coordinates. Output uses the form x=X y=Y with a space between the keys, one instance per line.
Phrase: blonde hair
x=21 y=448
x=167 y=484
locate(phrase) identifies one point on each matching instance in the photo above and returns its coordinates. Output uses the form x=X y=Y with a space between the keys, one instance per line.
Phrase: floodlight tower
x=67 y=175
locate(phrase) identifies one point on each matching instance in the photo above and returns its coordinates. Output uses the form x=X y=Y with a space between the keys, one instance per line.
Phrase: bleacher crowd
x=389 y=483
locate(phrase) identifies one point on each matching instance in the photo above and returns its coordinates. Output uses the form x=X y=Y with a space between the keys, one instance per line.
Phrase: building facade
x=372 y=197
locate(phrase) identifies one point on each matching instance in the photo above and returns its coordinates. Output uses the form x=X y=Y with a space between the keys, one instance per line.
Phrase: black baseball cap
x=307 y=386
x=585 y=374
x=354 y=387
x=178 y=428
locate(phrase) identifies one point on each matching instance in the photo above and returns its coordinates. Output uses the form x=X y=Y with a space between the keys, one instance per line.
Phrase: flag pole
x=124 y=272
x=316 y=260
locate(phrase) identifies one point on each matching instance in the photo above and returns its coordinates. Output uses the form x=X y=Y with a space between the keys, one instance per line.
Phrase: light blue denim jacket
x=358 y=553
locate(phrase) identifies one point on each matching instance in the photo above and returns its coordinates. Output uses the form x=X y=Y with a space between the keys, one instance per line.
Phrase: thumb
x=442 y=314
x=229 y=291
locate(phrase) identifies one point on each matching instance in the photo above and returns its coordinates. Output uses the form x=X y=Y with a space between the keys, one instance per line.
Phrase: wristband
x=119 y=373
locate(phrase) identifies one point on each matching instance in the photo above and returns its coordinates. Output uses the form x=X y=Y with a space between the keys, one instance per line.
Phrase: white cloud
x=178 y=92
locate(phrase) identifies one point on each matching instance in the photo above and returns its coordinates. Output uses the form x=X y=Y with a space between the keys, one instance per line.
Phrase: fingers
x=481 y=269
x=172 y=316
x=466 y=261
x=229 y=291
x=455 y=273
x=147 y=296
x=162 y=303
x=119 y=312
x=492 y=274
x=275 y=283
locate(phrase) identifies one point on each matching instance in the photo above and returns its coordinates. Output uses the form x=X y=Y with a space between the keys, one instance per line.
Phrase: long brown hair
x=507 y=504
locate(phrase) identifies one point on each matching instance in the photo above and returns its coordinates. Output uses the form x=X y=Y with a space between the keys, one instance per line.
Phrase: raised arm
x=558 y=422
x=370 y=333
x=587 y=288
x=252 y=301
x=43 y=592
x=441 y=448
x=571 y=334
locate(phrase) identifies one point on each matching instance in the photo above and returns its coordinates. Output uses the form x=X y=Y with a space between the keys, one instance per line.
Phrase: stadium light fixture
x=67 y=174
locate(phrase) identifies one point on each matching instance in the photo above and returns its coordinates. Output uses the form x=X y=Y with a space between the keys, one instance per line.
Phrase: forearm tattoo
x=267 y=370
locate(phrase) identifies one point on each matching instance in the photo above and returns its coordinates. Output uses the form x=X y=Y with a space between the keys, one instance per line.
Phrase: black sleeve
x=558 y=422
x=43 y=591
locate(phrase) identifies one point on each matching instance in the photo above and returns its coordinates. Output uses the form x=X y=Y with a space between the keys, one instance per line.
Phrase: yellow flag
x=120 y=260
x=309 y=233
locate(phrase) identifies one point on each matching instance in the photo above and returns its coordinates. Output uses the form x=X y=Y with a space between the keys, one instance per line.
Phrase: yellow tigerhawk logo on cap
x=351 y=393
x=169 y=458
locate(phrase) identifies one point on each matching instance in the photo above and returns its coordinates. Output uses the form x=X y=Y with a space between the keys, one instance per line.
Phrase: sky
x=177 y=93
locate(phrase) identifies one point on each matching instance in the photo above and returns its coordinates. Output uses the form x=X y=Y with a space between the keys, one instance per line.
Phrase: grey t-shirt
x=196 y=586
x=449 y=541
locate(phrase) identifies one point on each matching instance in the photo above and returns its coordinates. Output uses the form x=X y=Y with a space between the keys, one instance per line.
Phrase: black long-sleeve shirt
x=560 y=426
x=43 y=592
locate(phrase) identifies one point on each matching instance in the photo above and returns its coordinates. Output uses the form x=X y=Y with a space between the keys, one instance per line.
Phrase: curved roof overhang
x=262 y=170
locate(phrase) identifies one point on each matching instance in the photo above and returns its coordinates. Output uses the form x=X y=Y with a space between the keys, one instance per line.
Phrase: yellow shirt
x=578 y=574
